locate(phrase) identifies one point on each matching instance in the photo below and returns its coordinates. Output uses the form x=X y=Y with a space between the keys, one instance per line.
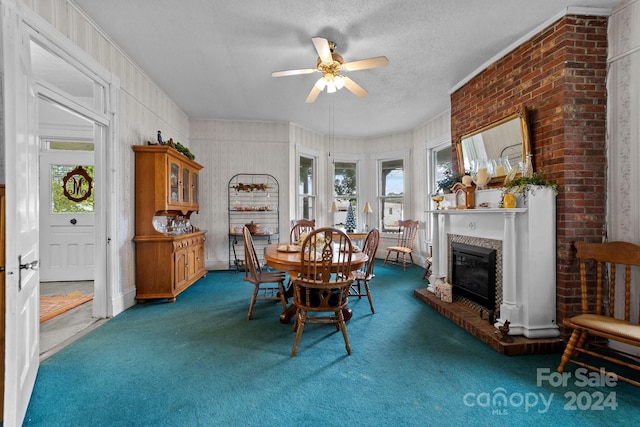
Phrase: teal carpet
x=199 y=362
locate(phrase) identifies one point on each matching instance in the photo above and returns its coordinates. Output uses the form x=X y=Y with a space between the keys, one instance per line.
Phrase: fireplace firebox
x=473 y=271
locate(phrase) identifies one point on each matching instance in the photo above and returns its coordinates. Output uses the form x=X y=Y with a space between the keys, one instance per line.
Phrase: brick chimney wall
x=560 y=76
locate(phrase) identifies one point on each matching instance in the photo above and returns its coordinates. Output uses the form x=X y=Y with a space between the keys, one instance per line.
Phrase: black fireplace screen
x=474 y=273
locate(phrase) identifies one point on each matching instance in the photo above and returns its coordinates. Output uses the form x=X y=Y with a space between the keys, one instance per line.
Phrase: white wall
x=227 y=148
x=623 y=123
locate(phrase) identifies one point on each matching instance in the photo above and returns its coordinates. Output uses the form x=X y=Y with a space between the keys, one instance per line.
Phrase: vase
x=527 y=168
x=509 y=201
x=482 y=170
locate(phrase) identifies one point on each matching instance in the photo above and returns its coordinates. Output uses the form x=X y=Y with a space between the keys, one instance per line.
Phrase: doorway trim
x=107 y=300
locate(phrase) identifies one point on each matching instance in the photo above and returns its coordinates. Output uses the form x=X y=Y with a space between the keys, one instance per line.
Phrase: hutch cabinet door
x=192 y=264
x=194 y=189
x=200 y=257
x=174 y=182
x=186 y=188
x=180 y=265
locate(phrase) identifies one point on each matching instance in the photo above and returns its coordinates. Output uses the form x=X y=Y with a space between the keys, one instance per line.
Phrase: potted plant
x=521 y=185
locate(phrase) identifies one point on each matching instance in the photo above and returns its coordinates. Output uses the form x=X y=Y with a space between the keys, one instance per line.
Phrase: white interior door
x=22 y=221
x=67 y=212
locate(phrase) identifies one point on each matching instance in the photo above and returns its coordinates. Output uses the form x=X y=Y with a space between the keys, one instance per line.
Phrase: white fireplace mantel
x=528 y=235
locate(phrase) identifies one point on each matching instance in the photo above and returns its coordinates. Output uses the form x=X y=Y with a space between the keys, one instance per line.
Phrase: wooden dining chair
x=365 y=273
x=404 y=246
x=320 y=292
x=299 y=227
x=606 y=298
x=260 y=279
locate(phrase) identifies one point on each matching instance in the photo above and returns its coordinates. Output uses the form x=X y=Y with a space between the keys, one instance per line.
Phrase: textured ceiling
x=214 y=58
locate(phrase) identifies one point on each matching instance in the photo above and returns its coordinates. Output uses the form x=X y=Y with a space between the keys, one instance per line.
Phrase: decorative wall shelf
x=253 y=198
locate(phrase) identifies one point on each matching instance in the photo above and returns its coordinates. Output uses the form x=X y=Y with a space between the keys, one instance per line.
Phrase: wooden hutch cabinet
x=169 y=251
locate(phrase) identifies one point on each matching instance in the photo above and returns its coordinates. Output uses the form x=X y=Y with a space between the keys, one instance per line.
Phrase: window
x=72 y=185
x=439 y=164
x=49 y=68
x=344 y=190
x=307 y=188
x=71 y=189
x=442 y=163
x=391 y=193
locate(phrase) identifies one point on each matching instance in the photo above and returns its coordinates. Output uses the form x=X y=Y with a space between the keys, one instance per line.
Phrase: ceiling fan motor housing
x=332 y=68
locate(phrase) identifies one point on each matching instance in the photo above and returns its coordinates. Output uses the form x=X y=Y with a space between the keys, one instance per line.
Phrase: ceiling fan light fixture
x=331 y=64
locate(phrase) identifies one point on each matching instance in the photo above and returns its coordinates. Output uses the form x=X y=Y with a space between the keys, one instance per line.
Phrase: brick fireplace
x=559 y=74
x=526 y=269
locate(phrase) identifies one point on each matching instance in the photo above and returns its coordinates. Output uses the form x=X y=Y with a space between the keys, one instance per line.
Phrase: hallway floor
x=62 y=330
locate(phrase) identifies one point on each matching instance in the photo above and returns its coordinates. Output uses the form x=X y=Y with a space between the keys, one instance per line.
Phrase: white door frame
x=107 y=264
x=17 y=21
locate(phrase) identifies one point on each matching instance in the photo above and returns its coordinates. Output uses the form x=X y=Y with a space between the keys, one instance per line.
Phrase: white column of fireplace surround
x=528 y=235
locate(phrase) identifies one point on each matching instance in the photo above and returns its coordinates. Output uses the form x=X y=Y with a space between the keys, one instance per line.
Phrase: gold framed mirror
x=507 y=138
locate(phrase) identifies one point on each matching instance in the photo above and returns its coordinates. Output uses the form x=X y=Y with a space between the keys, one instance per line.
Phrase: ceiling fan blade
x=354 y=87
x=293 y=72
x=364 y=64
x=315 y=91
x=322 y=47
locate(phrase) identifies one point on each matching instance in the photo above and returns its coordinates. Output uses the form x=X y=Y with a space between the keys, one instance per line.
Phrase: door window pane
x=72 y=189
x=70 y=145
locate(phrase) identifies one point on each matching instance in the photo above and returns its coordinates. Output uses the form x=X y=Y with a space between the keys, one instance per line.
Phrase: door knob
x=33 y=265
x=73 y=221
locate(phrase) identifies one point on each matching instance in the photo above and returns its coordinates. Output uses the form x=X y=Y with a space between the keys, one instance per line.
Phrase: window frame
x=310 y=196
x=403 y=156
x=432 y=148
x=354 y=196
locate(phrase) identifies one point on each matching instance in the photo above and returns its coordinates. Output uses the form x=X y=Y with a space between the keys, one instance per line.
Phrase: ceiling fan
x=331 y=64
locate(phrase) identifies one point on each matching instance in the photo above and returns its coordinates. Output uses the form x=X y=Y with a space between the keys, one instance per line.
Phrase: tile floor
x=62 y=330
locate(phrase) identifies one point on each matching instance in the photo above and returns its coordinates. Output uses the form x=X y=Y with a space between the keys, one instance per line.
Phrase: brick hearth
x=470 y=320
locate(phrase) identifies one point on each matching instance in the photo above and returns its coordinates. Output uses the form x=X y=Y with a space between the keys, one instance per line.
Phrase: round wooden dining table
x=290 y=262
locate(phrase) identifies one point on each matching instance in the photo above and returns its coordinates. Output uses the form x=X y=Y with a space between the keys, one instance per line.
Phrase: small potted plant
x=520 y=185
